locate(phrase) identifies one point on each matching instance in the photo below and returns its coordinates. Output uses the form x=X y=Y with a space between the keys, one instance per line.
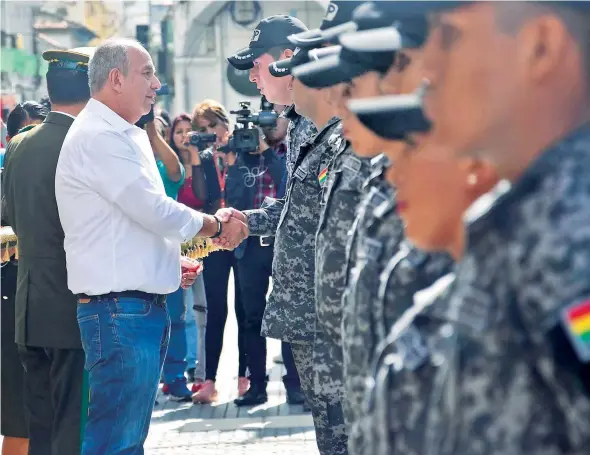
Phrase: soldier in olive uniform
x=511 y=371
x=46 y=327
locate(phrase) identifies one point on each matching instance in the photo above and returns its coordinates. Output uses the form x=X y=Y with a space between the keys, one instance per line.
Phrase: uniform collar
x=490 y=210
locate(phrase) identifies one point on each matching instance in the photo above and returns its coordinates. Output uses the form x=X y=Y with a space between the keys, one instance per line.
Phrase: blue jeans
x=196 y=321
x=175 y=363
x=125 y=342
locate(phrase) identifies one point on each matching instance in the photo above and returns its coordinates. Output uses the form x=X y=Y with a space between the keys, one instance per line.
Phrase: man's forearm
x=265 y=220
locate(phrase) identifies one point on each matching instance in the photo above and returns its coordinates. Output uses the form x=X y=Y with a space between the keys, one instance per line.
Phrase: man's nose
x=156 y=84
x=253 y=75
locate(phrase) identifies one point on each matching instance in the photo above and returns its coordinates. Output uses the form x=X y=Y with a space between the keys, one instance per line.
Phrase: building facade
x=207 y=32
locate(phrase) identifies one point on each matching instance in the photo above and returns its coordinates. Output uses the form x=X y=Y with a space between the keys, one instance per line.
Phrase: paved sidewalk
x=224 y=429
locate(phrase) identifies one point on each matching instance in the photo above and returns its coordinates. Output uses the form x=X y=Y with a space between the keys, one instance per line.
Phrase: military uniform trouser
x=326 y=411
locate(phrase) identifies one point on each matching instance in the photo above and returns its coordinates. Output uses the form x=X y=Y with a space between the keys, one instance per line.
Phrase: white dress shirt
x=122 y=233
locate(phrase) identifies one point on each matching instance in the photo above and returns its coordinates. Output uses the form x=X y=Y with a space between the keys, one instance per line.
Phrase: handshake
x=234 y=228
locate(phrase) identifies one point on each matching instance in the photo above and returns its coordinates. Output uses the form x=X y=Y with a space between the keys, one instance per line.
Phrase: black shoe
x=255 y=395
x=295 y=396
x=190 y=375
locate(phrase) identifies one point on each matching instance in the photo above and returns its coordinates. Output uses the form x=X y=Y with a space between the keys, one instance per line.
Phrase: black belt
x=157 y=299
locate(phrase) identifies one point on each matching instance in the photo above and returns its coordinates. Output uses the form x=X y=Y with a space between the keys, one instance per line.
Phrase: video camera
x=246 y=136
x=149 y=117
x=201 y=140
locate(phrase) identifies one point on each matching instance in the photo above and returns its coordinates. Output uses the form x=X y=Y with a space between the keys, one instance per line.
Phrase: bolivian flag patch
x=323 y=176
x=576 y=321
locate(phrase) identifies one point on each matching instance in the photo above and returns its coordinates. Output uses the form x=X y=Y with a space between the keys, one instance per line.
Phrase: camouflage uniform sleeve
x=557 y=257
x=265 y=220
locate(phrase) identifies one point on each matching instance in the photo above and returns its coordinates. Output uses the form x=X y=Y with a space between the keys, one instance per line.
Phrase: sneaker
x=190 y=375
x=179 y=391
x=243 y=386
x=197 y=385
x=255 y=395
x=207 y=393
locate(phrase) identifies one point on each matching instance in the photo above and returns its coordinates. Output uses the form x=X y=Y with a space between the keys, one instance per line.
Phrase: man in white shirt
x=122 y=237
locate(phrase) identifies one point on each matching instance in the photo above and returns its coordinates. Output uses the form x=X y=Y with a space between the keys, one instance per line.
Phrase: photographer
x=211 y=118
x=252 y=177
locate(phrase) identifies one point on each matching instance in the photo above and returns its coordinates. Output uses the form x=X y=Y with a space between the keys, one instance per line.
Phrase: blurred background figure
x=211 y=117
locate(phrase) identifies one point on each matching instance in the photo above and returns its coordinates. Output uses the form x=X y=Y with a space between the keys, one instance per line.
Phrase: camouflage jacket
x=401 y=387
x=366 y=258
x=290 y=313
x=510 y=367
x=400 y=271
x=340 y=201
x=300 y=130
x=264 y=221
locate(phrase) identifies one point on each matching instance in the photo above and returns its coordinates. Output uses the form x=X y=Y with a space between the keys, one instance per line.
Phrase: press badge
x=575 y=320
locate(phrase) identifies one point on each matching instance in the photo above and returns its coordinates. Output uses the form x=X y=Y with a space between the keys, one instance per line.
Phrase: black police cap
x=392 y=117
x=341 y=66
x=270 y=32
x=336 y=21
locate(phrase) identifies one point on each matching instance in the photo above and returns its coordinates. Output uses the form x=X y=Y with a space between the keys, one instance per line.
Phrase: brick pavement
x=224 y=429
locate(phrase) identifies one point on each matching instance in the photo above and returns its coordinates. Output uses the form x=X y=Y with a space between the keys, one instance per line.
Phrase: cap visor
x=314 y=38
x=376 y=40
x=326 y=72
x=309 y=38
x=244 y=59
x=323 y=52
x=281 y=68
x=392 y=117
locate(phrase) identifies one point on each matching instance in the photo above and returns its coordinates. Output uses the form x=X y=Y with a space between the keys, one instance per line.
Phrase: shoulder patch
x=576 y=322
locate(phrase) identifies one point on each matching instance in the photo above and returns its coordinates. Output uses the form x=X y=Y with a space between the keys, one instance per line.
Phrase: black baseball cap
x=341 y=66
x=337 y=20
x=270 y=32
x=413 y=16
x=392 y=117
x=300 y=56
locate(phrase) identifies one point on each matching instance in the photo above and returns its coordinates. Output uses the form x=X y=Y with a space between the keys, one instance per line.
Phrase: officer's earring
x=472 y=179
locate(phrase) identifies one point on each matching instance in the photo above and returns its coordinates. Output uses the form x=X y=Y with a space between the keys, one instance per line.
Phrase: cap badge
x=331 y=12
x=256 y=35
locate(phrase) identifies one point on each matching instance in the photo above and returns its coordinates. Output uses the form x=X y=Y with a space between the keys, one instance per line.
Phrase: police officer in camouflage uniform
x=374 y=252
x=290 y=313
x=510 y=371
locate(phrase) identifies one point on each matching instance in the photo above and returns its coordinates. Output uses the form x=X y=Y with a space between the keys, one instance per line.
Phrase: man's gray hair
x=111 y=54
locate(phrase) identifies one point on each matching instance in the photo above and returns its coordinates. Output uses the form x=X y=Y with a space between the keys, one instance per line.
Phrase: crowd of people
x=421 y=207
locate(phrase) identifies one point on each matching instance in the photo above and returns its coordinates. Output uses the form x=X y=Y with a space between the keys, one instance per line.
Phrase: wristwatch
x=218 y=233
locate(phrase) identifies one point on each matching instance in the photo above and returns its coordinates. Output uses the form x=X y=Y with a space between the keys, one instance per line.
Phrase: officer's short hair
x=277 y=51
x=510 y=16
x=65 y=86
x=112 y=54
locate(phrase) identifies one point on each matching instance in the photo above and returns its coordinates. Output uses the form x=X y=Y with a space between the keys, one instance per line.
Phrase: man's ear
x=287 y=53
